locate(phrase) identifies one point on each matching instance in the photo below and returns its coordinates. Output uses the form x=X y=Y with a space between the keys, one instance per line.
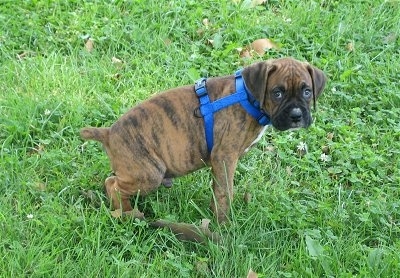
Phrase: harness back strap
x=241 y=95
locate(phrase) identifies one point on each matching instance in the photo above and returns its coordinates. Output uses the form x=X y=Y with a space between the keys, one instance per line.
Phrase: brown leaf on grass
x=91 y=196
x=258 y=2
x=116 y=76
x=261 y=45
x=206 y=22
x=38 y=149
x=23 y=55
x=89 y=45
x=200 y=32
x=350 y=46
x=201 y=267
x=325 y=149
x=251 y=274
x=249 y=3
x=116 y=61
x=116 y=213
x=189 y=232
x=289 y=170
x=270 y=149
x=206 y=25
x=247 y=197
x=167 y=41
x=244 y=52
x=258 y=47
x=390 y=38
x=40 y=186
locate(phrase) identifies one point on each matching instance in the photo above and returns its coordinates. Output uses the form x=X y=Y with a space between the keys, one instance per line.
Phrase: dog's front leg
x=223 y=170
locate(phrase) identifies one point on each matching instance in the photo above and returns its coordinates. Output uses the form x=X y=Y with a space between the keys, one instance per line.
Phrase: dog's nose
x=296 y=114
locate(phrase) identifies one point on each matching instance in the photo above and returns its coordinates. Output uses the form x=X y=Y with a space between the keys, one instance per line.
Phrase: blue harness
x=242 y=96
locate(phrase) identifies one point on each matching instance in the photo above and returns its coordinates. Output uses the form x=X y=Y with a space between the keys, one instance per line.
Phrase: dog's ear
x=318 y=78
x=256 y=78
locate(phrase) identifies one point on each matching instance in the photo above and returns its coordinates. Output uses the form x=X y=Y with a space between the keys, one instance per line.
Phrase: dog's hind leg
x=120 y=188
x=117 y=194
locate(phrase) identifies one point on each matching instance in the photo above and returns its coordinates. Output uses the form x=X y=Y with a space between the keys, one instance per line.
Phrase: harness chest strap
x=241 y=95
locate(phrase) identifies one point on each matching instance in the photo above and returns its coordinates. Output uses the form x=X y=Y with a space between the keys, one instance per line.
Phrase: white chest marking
x=257 y=139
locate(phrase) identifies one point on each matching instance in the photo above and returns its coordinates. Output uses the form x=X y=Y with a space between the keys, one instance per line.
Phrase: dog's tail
x=100 y=134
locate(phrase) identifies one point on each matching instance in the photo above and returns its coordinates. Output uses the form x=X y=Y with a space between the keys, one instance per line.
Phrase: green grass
x=307 y=217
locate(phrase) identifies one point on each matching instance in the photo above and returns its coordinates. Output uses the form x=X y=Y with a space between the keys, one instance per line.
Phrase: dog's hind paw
x=167 y=182
x=135 y=213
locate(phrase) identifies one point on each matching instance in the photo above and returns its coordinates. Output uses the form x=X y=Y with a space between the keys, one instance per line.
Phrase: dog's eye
x=307 y=93
x=278 y=94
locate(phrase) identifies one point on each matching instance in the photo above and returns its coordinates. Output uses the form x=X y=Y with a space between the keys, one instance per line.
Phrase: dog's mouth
x=292 y=116
x=290 y=126
x=296 y=126
x=282 y=122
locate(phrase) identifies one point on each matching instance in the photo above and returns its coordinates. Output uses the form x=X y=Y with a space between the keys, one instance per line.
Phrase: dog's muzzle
x=296 y=115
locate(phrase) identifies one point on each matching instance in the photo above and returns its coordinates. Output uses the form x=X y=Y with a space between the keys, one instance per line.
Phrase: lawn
x=324 y=200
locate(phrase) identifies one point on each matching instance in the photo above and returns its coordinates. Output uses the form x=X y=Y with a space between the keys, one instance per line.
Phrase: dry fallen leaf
x=90 y=194
x=325 y=149
x=37 y=150
x=200 y=32
x=249 y=3
x=40 y=186
x=116 y=76
x=247 y=197
x=390 y=38
x=116 y=61
x=258 y=46
x=258 y=2
x=329 y=136
x=202 y=268
x=244 y=52
x=89 y=45
x=116 y=213
x=91 y=197
x=261 y=45
x=252 y=274
x=167 y=41
x=22 y=55
x=350 y=46
x=205 y=222
x=270 y=149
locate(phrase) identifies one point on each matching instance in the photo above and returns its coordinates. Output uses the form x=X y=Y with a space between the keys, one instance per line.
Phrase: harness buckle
x=200 y=87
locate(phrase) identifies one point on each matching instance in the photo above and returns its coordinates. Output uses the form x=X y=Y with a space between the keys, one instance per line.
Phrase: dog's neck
x=253 y=104
x=242 y=95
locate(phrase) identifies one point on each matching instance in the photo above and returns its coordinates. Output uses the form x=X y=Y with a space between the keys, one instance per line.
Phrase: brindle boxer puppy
x=162 y=137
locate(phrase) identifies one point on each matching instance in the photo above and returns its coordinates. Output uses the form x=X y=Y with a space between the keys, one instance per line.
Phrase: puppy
x=211 y=123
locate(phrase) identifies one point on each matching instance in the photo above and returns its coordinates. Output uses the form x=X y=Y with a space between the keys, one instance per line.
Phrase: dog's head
x=286 y=88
